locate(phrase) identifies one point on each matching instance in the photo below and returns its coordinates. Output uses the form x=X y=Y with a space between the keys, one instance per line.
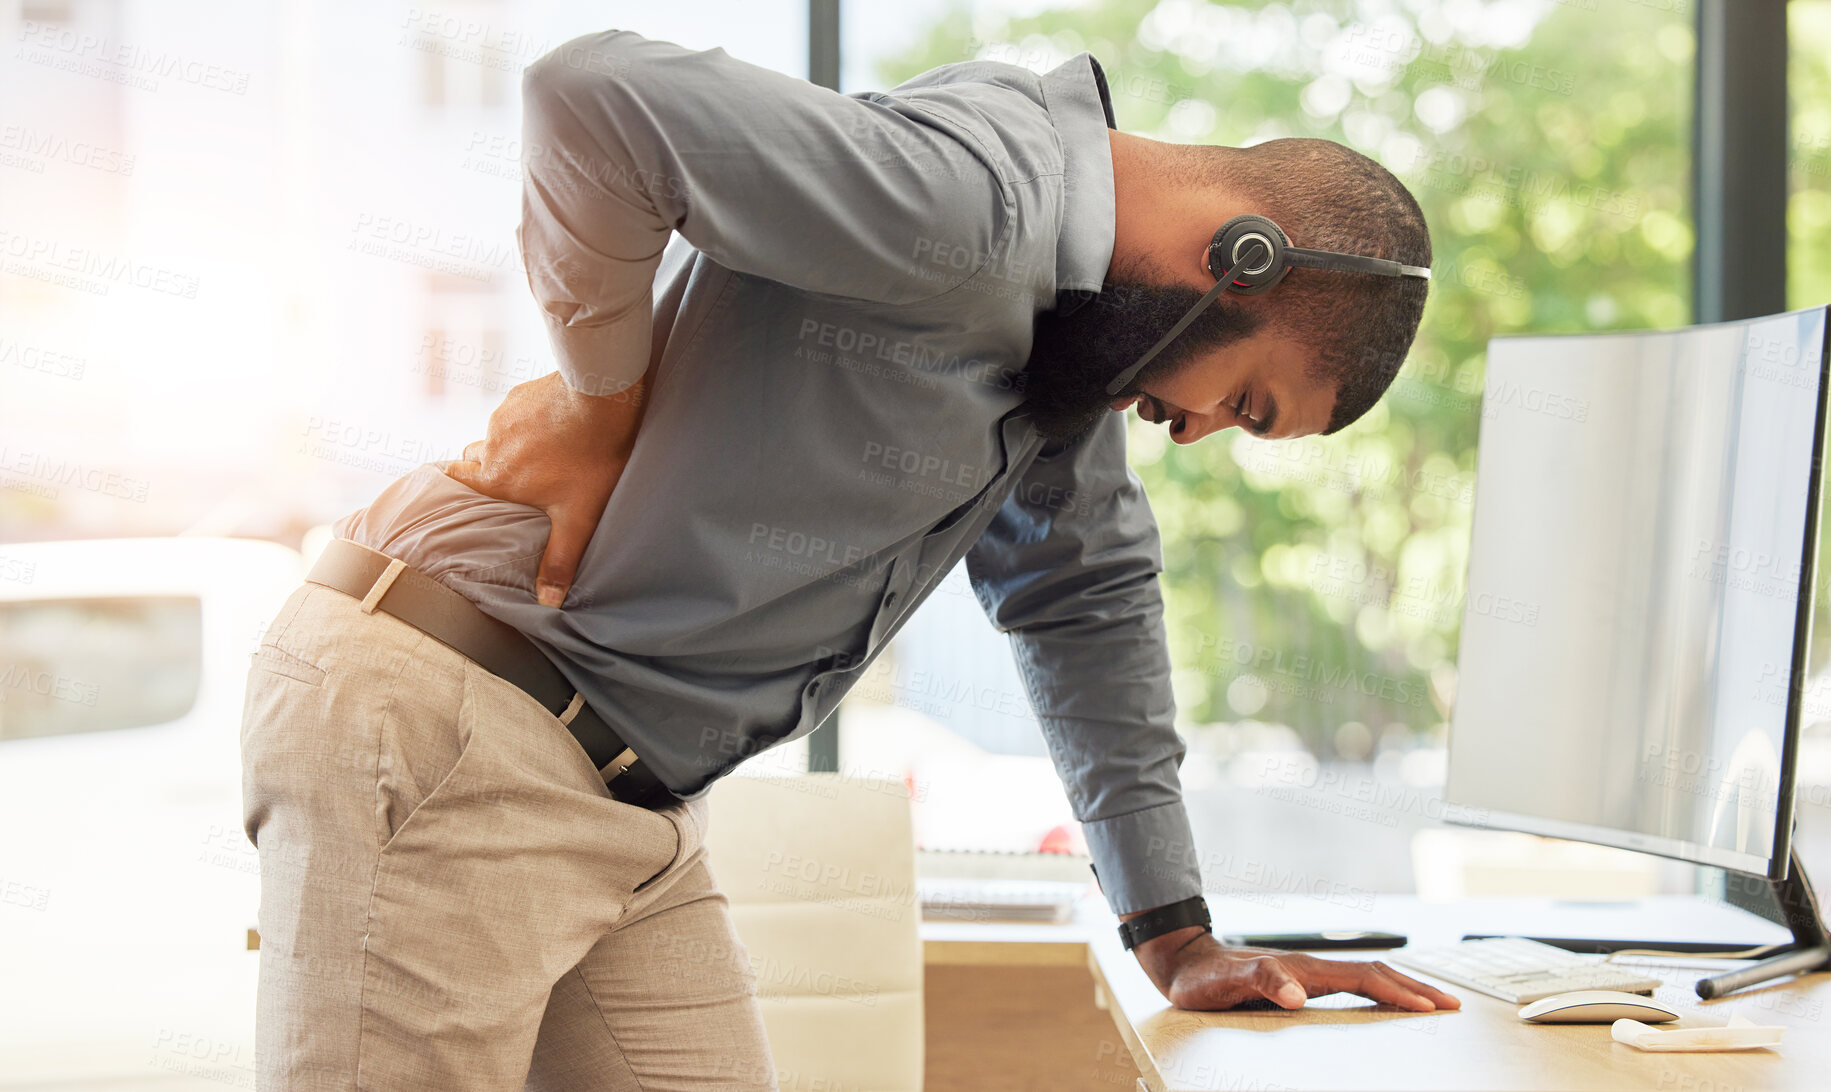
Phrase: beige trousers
x=450 y=897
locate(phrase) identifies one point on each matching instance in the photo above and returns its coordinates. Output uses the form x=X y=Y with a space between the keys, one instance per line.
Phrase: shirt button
x=890 y=598
x=813 y=686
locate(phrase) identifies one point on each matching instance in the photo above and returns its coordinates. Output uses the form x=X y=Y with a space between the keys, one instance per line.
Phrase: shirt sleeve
x=1068 y=569
x=627 y=139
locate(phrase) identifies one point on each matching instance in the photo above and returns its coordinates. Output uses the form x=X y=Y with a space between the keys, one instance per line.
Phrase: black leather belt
x=501 y=649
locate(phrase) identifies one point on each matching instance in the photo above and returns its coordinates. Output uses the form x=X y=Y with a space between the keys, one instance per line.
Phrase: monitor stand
x=1791 y=902
x=1797 y=906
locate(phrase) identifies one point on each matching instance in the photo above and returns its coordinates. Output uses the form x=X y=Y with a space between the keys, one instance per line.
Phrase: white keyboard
x=1521 y=971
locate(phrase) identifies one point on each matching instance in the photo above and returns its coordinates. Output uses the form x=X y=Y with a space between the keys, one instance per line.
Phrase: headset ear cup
x=1229 y=237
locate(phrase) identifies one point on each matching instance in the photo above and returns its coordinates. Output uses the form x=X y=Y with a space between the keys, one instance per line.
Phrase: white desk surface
x=1346 y=1042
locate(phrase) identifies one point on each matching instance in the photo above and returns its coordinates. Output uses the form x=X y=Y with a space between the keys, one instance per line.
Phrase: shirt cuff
x=1144 y=859
x=605 y=359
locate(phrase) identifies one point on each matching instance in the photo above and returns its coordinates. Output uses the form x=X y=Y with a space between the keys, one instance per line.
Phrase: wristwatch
x=1165 y=919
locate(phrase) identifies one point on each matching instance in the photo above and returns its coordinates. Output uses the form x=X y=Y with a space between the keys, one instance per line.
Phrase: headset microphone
x=1124 y=377
x=1257 y=254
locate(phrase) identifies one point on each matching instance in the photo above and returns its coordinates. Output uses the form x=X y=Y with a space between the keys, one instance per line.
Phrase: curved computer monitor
x=1638 y=602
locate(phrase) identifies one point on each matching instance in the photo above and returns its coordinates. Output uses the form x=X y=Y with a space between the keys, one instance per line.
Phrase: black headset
x=1257 y=254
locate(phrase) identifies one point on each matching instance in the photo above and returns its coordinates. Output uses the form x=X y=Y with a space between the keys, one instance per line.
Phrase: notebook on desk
x=957 y=899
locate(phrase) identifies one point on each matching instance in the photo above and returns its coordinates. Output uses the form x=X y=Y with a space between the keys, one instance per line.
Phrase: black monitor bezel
x=1786 y=806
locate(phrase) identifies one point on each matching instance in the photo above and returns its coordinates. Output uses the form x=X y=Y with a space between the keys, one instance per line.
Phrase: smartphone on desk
x=1318 y=942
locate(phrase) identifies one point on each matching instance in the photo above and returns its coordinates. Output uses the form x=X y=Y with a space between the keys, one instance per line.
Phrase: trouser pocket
x=689 y=822
x=424 y=745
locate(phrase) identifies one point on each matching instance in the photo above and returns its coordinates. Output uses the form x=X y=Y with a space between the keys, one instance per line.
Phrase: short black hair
x=1328 y=196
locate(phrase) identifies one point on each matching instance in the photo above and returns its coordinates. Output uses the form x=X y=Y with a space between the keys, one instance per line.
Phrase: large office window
x=1809 y=106
x=1313 y=587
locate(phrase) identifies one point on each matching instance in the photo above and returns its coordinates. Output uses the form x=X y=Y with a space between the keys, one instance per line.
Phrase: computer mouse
x=1596 y=1007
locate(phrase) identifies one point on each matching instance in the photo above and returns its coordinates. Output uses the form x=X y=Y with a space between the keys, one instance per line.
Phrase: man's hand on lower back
x=555 y=449
x=1193 y=970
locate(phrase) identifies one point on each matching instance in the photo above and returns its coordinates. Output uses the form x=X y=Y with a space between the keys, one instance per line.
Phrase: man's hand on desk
x=1193 y=970
x=563 y=452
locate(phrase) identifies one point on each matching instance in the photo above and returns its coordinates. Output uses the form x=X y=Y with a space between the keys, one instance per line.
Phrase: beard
x=1074 y=356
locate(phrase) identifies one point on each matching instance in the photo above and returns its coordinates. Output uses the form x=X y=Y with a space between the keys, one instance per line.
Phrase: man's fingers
x=473 y=451
x=1287 y=979
x=1381 y=983
x=560 y=563
x=1436 y=996
x=1278 y=985
x=466 y=471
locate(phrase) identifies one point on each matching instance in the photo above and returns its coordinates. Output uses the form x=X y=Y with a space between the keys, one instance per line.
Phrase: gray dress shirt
x=838 y=293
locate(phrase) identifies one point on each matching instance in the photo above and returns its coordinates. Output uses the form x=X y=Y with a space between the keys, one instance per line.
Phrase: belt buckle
x=620 y=764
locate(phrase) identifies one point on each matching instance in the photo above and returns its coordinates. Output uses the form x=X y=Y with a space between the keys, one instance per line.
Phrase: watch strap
x=1165 y=919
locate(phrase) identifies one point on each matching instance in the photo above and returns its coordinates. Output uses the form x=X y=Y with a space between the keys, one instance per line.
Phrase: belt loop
x=382 y=584
x=572 y=710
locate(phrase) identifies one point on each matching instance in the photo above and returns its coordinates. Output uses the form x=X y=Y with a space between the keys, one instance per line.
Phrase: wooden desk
x=1344 y=1042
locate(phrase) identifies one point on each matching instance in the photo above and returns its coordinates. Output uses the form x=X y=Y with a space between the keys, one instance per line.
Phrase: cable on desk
x=1758 y=952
